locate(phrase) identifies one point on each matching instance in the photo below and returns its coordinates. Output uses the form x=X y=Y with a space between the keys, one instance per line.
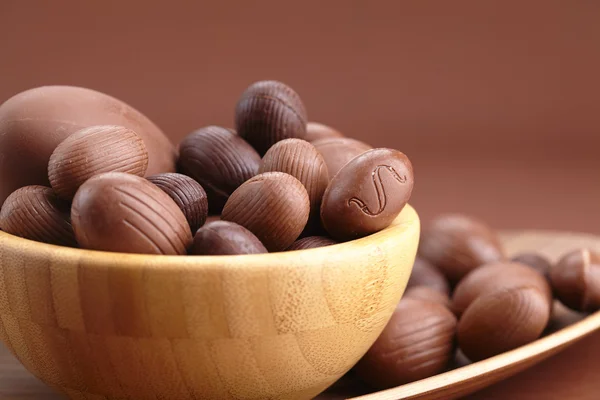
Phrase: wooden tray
x=569 y=327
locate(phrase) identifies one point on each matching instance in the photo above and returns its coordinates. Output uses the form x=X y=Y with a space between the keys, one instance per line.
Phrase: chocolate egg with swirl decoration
x=367 y=194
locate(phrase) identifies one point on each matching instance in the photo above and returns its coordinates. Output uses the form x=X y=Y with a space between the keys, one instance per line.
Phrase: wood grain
x=568 y=374
x=281 y=326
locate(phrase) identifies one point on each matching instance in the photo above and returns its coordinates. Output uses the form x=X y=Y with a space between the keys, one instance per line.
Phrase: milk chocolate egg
x=495 y=276
x=267 y=112
x=367 y=194
x=311 y=242
x=225 y=238
x=125 y=213
x=576 y=280
x=37 y=213
x=301 y=160
x=34 y=122
x=220 y=160
x=501 y=321
x=457 y=244
x=187 y=194
x=274 y=206
x=417 y=342
x=92 y=151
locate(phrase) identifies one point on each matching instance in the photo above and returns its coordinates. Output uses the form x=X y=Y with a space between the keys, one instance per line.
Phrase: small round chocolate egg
x=457 y=244
x=417 y=342
x=301 y=160
x=37 y=213
x=267 y=112
x=187 y=194
x=501 y=321
x=274 y=206
x=92 y=151
x=225 y=238
x=219 y=160
x=576 y=280
x=495 y=276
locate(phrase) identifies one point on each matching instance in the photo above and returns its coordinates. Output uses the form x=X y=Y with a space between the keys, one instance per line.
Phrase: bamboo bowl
x=97 y=325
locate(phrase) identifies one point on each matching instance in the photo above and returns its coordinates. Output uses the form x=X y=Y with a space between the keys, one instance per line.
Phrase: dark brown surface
x=367 y=194
x=188 y=194
x=35 y=212
x=536 y=261
x=128 y=214
x=267 y=112
x=225 y=238
x=220 y=160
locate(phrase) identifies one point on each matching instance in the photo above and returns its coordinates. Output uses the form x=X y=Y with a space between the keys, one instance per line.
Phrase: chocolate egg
x=425 y=274
x=316 y=131
x=417 y=342
x=457 y=244
x=274 y=206
x=92 y=151
x=337 y=152
x=187 y=194
x=34 y=122
x=36 y=213
x=301 y=160
x=367 y=194
x=502 y=321
x=576 y=280
x=267 y=112
x=219 y=160
x=225 y=238
x=495 y=276
x=126 y=213
x=311 y=242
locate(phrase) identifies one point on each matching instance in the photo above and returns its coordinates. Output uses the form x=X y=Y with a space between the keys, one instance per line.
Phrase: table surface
x=570 y=374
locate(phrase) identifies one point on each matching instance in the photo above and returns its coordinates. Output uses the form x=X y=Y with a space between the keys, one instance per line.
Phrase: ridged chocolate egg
x=92 y=151
x=37 y=213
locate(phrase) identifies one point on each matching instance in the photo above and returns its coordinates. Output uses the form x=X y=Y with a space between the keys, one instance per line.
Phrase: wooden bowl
x=98 y=325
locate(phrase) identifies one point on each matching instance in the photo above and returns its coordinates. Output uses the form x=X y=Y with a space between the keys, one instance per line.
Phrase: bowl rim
x=403 y=224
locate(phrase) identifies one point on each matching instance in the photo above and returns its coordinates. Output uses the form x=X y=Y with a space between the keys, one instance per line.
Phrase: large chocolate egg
x=34 y=122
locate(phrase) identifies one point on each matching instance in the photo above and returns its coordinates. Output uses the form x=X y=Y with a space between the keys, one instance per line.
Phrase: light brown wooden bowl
x=97 y=325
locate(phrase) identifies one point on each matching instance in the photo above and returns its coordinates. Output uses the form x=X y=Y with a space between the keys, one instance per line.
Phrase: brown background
x=496 y=102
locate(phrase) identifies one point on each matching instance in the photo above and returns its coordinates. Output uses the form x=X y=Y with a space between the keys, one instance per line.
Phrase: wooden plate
x=16 y=383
